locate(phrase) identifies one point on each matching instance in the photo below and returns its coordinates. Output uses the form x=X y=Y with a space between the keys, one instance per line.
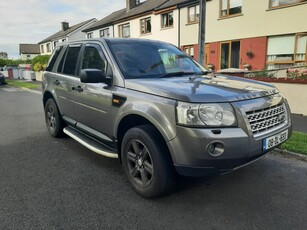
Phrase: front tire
x=147 y=162
x=53 y=119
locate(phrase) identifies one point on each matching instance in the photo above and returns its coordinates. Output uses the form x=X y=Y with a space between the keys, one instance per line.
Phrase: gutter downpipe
x=179 y=27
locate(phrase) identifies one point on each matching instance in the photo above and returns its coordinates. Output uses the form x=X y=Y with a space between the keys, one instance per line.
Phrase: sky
x=34 y=20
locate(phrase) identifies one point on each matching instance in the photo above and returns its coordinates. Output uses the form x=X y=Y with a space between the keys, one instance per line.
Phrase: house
x=267 y=34
x=188 y=27
x=126 y=22
x=141 y=20
x=3 y=55
x=104 y=27
x=28 y=51
x=67 y=33
x=173 y=21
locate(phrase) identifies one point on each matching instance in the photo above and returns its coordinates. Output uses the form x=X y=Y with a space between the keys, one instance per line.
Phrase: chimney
x=132 y=4
x=65 y=26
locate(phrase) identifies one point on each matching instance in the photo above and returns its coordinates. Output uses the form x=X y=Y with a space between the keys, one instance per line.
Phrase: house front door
x=230 y=55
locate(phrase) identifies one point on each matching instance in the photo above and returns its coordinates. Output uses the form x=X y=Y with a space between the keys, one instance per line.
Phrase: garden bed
x=280 y=80
x=293 y=75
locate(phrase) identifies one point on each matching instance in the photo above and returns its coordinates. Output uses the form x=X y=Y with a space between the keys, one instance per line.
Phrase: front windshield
x=139 y=59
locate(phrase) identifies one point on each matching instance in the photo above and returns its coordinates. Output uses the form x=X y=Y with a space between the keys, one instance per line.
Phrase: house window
x=105 y=33
x=189 y=50
x=167 y=20
x=300 y=47
x=193 y=14
x=230 y=7
x=55 y=43
x=48 y=48
x=286 y=51
x=42 y=49
x=230 y=55
x=124 y=30
x=145 y=25
x=280 y=3
x=90 y=35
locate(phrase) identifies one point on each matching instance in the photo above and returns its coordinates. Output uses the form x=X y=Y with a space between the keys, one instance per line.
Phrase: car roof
x=113 y=41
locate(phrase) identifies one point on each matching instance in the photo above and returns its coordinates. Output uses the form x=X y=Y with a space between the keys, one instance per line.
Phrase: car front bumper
x=193 y=158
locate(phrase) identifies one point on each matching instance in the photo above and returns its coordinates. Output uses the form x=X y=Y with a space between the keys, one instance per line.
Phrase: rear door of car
x=64 y=78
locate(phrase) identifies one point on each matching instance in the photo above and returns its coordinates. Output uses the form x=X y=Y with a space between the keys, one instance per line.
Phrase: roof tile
x=29 y=49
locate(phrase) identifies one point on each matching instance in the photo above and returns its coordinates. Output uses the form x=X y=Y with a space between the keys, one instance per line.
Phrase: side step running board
x=89 y=143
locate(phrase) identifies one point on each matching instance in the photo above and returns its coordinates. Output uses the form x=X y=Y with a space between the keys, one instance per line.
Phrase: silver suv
x=158 y=111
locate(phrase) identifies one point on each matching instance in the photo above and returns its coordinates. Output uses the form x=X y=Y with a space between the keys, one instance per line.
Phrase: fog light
x=216 y=149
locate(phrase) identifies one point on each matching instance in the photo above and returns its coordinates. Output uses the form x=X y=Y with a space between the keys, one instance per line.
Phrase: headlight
x=211 y=115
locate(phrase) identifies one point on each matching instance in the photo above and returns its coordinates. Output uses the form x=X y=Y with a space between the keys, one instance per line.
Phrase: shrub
x=4 y=62
x=262 y=73
x=40 y=62
x=296 y=73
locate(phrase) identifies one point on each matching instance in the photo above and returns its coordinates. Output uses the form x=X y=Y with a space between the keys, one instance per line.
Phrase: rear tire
x=53 y=119
x=147 y=162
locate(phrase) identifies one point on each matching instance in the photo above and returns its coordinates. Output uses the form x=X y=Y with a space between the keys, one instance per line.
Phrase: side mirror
x=92 y=76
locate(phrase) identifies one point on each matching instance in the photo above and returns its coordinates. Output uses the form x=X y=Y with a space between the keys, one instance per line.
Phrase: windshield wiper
x=181 y=73
x=173 y=74
x=202 y=73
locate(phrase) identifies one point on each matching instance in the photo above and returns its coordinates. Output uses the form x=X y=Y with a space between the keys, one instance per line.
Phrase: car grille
x=265 y=119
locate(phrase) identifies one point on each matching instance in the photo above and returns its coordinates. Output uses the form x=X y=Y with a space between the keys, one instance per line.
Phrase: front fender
x=158 y=111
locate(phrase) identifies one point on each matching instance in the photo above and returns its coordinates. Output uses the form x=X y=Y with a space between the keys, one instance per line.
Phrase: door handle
x=56 y=82
x=78 y=89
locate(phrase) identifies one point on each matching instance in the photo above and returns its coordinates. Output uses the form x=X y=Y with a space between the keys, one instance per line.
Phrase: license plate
x=272 y=141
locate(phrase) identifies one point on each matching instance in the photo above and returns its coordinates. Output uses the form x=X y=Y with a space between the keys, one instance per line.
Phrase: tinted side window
x=71 y=60
x=60 y=67
x=54 y=57
x=93 y=58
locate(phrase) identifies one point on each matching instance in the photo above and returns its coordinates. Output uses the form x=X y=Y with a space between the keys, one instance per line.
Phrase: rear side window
x=54 y=57
x=71 y=59
x=60 y=67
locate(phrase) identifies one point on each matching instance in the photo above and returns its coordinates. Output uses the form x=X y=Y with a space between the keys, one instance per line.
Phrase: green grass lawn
x=18 y=83
x=297 y=143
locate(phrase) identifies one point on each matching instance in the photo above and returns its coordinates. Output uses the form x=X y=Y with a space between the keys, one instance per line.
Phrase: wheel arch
x=47 y=95
x=133 y=120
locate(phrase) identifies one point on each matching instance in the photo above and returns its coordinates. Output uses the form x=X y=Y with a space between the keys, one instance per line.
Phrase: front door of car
x=93 y=100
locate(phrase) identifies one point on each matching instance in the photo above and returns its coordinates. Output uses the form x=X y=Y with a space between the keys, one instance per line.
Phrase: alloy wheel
x=140 y=164
x=51 y=119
